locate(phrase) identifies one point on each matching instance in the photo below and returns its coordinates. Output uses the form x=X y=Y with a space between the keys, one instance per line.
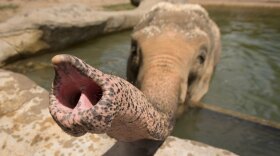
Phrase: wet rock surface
x=26 y=127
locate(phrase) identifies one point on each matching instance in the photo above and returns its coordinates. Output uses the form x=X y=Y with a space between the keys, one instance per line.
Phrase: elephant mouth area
x=73 y=89
x=78 y=100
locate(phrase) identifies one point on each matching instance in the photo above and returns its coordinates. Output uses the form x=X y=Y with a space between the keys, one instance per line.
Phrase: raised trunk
x=84 y=99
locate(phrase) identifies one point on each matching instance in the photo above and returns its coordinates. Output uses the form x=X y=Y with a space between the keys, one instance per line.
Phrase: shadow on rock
x=137 y=148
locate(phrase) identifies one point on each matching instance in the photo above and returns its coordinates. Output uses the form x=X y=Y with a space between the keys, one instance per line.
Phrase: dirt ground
x=9 y=8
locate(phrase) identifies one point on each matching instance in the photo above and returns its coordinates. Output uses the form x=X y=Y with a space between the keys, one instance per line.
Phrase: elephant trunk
x=164 y=71
x=84 y=99
x=161 y=90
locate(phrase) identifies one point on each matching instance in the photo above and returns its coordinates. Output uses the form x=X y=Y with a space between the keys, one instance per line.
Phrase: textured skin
x=122 y=112
x=174 y=51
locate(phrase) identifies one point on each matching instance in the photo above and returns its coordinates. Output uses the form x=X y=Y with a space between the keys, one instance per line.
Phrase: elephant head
x=174 y=51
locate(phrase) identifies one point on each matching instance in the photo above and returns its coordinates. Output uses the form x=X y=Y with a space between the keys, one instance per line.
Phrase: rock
x=18 y=43
x=7 y=51
x=15 y=91
x=58 y=27
x=177 y=147
x=26 y=127
x=55 y=28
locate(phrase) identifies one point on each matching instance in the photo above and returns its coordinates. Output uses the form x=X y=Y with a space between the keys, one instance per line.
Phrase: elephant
x=173 y=53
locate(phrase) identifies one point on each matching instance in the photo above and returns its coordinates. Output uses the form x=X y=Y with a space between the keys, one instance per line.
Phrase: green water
x=246 y=80
x=239 y=136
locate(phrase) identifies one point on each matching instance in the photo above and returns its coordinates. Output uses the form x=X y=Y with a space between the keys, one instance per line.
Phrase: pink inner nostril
x=92 y=92
x=73 y=100
x=77 y=89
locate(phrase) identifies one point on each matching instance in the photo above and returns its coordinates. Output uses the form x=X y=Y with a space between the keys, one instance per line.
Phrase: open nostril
x=73 y=100
x=74 y=89
x=87 y=94
x=94 y=93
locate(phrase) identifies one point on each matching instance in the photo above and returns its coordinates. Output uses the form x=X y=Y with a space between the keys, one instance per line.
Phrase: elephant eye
x=133 y=47
x=202 y=55
x=192 y=77
x=135 y=52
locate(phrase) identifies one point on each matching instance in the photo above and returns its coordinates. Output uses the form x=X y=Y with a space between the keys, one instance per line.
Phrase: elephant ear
x=199 y=79
x=133 y=63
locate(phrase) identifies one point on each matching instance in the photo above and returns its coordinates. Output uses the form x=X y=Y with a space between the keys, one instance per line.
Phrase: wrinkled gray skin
x=83 y=99
x=173 y=54
x=174 y=51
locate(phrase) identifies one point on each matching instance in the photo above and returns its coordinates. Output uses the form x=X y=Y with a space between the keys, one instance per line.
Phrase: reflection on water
x=246 y=80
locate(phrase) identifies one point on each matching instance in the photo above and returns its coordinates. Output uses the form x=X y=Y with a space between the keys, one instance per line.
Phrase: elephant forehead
x=171 y=30
x=167 y=12
x=164 y=42
x=190 y=20
x=171 y=42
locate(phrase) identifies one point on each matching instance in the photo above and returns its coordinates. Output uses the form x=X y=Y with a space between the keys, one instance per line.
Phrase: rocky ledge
x=58 y=27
